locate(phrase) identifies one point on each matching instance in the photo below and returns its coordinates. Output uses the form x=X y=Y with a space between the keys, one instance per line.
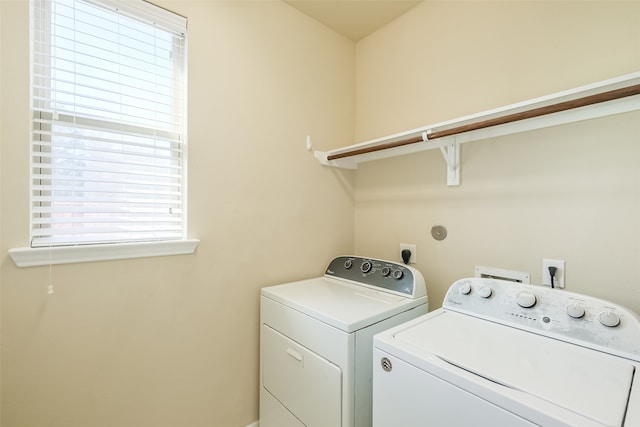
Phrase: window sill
x=31 y=257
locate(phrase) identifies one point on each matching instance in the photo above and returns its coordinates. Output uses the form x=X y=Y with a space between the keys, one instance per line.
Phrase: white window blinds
x=108 y=147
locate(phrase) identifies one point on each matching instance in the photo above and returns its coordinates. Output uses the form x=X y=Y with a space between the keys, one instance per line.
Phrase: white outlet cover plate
x=560 y=272
x=412 y=248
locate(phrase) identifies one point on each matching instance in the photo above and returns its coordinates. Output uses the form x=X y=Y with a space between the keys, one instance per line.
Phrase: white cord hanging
x=50 y=290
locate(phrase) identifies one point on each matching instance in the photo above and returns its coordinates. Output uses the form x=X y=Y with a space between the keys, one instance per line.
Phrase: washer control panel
x=580 y=319
x=383 y=275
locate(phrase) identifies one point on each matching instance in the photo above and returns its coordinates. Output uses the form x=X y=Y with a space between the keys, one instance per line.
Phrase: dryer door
x=309 y=386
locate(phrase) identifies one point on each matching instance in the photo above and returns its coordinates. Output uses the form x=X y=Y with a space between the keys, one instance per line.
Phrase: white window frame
x=83 y=251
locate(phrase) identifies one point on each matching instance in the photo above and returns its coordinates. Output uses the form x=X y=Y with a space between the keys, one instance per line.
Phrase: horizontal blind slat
x=69 y=204
x=169 y=187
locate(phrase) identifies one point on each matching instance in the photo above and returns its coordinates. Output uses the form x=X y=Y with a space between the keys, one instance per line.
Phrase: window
x=108 y=146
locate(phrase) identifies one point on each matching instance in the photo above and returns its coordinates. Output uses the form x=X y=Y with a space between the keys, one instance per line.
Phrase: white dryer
x=503 y=354
x=316 y=340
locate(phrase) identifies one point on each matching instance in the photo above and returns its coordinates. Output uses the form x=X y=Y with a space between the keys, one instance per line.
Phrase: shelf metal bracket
x=451 y=153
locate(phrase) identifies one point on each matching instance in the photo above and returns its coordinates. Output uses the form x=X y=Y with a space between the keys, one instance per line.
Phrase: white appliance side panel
x=364 y=362
x=273 y=414
x=305 y=383
x=410 y=397
x=583 y=381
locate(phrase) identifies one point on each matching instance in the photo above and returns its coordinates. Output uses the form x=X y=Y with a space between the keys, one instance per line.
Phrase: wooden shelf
x=613 y=96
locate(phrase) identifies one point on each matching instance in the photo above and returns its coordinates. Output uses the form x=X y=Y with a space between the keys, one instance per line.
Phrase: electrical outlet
x=559 y=275
x=412 y=248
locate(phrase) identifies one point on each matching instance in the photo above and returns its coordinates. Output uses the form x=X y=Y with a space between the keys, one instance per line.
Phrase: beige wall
x=570 y=192
x=173 y=341
x=1 y=244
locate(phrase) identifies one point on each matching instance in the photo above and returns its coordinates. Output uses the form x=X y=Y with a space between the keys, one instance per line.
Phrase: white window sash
x=109 y=123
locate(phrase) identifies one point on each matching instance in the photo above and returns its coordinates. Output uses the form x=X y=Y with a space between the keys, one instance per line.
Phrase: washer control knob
x=526 y=299
x=465 y=288
x=366 y=267
x=397 y=274
x=575 y=310
x=385 y=271
x=485 y=292
x=348 y=263
x=609 y=318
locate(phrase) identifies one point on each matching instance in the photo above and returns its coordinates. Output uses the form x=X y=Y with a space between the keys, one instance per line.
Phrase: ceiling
x=354 y=19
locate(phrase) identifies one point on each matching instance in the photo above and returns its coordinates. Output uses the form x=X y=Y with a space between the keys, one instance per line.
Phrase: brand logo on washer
x=386 y=364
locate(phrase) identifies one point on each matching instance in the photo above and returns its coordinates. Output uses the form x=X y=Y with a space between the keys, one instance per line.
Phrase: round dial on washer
x=575 y=310
x=485 y=292
x=385 y=271
x=365 y=267
x=397 y=274
x=526 y=299
x=465 y=288
x=348 y=263
x=609 y=318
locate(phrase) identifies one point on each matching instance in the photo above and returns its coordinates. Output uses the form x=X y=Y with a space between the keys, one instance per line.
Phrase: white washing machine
x=503 y=354
x=316 y=340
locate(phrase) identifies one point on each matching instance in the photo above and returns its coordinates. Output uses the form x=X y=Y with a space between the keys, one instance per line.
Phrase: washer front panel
x=583 y=381
x=406 y=396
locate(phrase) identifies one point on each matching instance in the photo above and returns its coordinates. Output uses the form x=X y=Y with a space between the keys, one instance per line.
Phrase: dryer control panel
x=383 y=275
x=580 y=319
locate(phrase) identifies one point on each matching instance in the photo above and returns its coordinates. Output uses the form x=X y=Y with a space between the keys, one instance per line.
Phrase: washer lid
x=587 y=382
x=340 y=304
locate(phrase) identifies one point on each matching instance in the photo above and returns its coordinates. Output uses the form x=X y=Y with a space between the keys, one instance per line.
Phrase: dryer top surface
x=341 y=304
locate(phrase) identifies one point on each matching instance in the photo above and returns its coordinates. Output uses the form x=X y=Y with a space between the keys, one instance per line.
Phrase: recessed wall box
x=499 y=273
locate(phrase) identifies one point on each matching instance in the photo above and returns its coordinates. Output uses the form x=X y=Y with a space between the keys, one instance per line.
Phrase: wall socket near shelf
x=412 y=248
x=560 y=272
